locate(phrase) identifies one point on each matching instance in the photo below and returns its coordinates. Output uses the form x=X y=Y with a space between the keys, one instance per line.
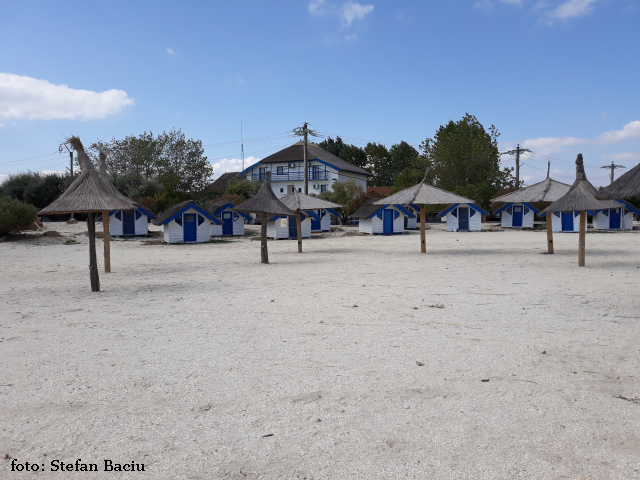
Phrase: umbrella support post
x=582 y=246
x=299 y=230
x=423 y=215
x=93 y=261
x=107 y=242
x=549 y=234
x=264 y=252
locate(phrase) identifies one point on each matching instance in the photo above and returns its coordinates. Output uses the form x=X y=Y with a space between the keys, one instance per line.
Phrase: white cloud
x=317 y=7
x=572 y=8
x=354 y=11
x=352 y=36
x=232 y=165
x=483 y=5
x=621 y=156
x=552 y=144
x=513 y=2
x=170 y=51
x=26 y=97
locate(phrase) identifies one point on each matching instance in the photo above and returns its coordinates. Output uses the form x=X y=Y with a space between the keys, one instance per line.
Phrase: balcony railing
x=291 y=176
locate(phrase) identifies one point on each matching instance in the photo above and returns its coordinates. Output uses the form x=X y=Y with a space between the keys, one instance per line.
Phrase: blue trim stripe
x=377 y=211
x=416 y=207
x=225 y=206
x=630 y=207
x=531 y=207
x=213 y=218
x=447 y=210
x=332 y=212
x=504 y=208
x=405 y=211
x=312 y=214
x=140 y=209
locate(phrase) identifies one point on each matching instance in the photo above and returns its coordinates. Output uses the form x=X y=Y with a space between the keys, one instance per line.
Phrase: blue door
x=128 y=222
x=190 y=227
x=567 y=221
x=316 y=225
x=517 y=216
x=388 y=222
x=293 y=227
x=615 y=220
x=227 y=228
x=463 y=218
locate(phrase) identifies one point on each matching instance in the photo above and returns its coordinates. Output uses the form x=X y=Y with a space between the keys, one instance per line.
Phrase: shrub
x=15 y=214
x=242 y=188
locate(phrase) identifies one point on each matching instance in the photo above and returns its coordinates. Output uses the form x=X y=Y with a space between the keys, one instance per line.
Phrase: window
x=300 y=190
x=282 y=190
x=280 y=170
x=263 y=170
x=292 y=165
x=323 y=188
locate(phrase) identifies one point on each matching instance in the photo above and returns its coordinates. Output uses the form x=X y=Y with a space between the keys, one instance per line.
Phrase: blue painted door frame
x=316 y=225
x=567 y=221
x=517 y=216
x=293 y=228
x=128 y=222
x=463 y=218
x=387 y=219
x=615 y=220
x=190 y=227
x=227 y=228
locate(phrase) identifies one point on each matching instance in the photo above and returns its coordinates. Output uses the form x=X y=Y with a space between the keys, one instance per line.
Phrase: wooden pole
x=423 y=219
x=264 y=253
x=93 y=260
x=299 y=228
x=107 y=242
x=583 y=231
x=549 y=234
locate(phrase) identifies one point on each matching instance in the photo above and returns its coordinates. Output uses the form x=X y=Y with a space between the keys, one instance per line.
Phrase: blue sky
x=558 y=76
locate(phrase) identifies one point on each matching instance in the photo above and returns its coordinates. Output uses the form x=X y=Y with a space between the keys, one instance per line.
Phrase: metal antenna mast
x=241 y=146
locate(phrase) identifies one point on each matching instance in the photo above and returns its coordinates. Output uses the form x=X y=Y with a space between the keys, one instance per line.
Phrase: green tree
x=16 y=183
x=242 y=188
x=343 y=193
x=39 y=189
x=464 y=159
x=352 y=154
x=15 y=214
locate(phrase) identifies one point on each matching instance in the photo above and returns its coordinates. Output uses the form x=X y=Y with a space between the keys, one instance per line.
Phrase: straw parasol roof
x=581 y=195
x=422 y=194
x=366 y=209
x=627 y=186
x=265 y=201
x=89 y=192
x=299 y=201
x=549 y=190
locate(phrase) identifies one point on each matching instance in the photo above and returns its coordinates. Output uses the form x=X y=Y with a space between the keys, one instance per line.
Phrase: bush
x=39 y=189
x=16 y=183
x=15 y=214
x=242 y=188
x=133 y=184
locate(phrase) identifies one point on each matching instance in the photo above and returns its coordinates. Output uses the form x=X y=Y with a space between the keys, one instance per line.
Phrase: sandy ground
x=199 y=362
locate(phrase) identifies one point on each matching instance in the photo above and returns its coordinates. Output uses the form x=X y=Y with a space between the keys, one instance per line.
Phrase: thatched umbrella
x=264 y=203
x=580 y=197
x=549 y=190
x=88 y=193
x=627 y=186
x=299 y=202
x=422 y=194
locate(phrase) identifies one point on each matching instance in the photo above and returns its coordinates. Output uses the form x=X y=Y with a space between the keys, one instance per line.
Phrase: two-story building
x=287 y=170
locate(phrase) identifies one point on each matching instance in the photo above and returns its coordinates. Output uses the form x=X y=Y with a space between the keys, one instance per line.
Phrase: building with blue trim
x=615 y=218
x=463 y=217
x=232 y=222
x=287 y=170
x=187 y=222
x=128 y=223
x=517 y=215
x=381 y=219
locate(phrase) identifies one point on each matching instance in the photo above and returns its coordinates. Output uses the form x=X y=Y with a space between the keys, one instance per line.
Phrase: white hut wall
x=506 y=219
x=601 y=220
x=325 y=224
x=115 y=225
x=412 y=223
x=556 y=221
x=278 y=229
x=142 y=224
x=452 y=221
x=238 y=224
x=216 y=230
x=306 y=227
x=475 y=220
x=377 y=222
x=173 y=232
x=627 y=219
x=365 y=225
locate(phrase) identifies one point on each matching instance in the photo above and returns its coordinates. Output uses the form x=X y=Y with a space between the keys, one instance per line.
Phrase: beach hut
x=517 y=215
x=580 y=198
x=381 y=219
x=187 y=222
x=411 y=223
x=463 y=217
x=308 y=210
x=419 y=196
x=233 y=222
x=620 y=218
x=323 y=221
x=89 y=193
x=265 y=204
x=128 y=223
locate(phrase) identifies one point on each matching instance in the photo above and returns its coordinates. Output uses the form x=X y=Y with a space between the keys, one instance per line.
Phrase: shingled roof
x=295 y=153
x=549 y=190
x=170 y=212
x=220 y=185
x=581 y=195
x=367 y=209
x=627 y=186
x=265 y=201
x=299 y=201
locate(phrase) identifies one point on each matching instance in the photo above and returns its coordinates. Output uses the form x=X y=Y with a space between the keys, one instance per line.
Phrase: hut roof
x=299 y=201
x=423 y=194
x=295 y=153
x=367 y=209
x=549 y=190
x=214 y=207
x=90 y=192
x=627 y=186
x=179 y=207
x=220 y=185
x=581 y=195
x=265 y=201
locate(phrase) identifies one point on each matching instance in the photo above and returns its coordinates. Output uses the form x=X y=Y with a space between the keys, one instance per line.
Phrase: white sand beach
x=359 y=359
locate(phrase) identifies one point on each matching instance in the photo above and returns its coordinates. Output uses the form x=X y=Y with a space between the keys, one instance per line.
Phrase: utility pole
x=548 y=167
x=306 y=163
x=241 y=146
x=517 y=153
x=613 y=168
x=72 y=219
